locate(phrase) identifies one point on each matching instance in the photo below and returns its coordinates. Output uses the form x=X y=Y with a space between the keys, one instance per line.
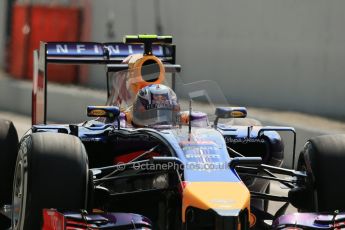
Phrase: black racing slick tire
x=323 y=158
x=51 y=172
x=8 y=156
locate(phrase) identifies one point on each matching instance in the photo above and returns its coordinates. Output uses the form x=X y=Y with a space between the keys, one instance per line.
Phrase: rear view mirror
x=229 y=112
x=111 y=112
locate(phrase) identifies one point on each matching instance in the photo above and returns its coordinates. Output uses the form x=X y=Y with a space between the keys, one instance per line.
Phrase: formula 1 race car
x=156 y=156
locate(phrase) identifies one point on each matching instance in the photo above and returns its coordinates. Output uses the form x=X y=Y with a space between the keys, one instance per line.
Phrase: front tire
x=51 y=172
x=8 y=156
x=323 y=158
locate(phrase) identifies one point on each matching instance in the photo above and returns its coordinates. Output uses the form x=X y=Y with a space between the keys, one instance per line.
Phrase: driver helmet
x=155 y=104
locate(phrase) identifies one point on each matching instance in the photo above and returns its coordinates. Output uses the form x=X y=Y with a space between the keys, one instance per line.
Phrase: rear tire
x=8 y=156
x=323 y=158
x=51 y=172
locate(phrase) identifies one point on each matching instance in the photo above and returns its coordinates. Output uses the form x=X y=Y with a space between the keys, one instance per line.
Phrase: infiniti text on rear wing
x=103 y=53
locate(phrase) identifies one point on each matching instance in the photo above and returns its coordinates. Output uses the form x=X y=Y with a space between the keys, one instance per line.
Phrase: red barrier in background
x=18 y=39
x=46 y=23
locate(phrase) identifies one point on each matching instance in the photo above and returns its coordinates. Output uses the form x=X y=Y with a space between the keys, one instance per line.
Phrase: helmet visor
x=149 y=117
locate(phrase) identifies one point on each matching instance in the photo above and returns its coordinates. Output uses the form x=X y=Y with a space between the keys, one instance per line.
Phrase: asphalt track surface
x=306 y=127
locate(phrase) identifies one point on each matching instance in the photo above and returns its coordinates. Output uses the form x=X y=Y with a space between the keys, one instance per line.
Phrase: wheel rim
x=19 y=192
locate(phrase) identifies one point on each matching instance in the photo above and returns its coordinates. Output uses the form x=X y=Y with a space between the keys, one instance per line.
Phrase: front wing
x=56 y=220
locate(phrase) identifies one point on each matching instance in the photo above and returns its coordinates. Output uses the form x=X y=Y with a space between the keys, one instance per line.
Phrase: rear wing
x=110 y=54
x=101 y=53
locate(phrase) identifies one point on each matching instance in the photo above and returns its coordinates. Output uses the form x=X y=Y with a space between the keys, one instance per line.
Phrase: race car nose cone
x=224 y=198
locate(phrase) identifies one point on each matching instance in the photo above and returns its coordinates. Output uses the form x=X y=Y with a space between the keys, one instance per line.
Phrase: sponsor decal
x=162 y=105
x=197 y=143
x=100 y=50
x=53 y=220
x=237 y=114
x=223 y=203
x=191 y=156
x=97 y=112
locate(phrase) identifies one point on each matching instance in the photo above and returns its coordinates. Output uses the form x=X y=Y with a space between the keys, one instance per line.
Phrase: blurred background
x=283 y=54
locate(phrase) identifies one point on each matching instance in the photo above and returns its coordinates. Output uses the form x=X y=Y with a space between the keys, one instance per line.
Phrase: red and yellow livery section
x=135 y=63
